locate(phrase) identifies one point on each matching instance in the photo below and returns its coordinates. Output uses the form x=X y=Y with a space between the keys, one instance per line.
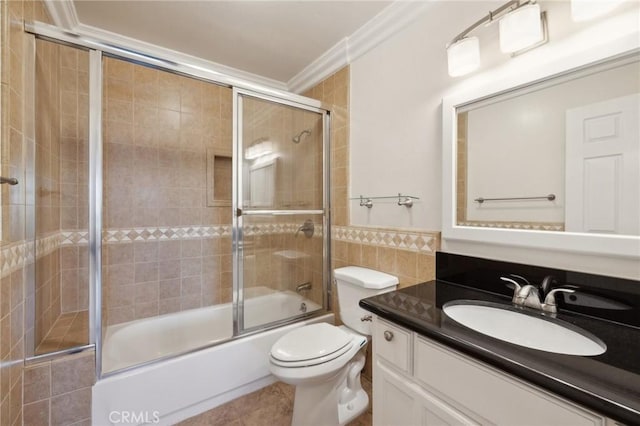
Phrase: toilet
x=324 y=361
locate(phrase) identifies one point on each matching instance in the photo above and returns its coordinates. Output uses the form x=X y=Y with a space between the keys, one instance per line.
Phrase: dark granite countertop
x=608 y=384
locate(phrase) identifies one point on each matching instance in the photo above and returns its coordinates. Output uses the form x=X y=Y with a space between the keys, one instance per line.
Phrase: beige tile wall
x=59 y=392
x=334 y=92
x=47 y=184
x=16 y=143
x=298 y=185
x=12 y=145
x=158 y=127
x=61 y=124
x=69 y=377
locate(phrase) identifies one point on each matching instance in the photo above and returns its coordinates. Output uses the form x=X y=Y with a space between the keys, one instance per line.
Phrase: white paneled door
x=603 y=167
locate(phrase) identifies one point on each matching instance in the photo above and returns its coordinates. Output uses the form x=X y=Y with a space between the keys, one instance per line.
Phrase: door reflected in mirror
x=559 y=155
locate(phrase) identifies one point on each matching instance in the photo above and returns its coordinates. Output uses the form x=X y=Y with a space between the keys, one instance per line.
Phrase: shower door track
x=172 y=65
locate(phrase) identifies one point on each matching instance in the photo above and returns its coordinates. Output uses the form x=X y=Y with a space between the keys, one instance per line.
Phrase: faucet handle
x=550 y=300
x=512 y=284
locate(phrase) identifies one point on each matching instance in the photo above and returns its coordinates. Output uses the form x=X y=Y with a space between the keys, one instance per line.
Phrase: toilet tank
x=355 y=283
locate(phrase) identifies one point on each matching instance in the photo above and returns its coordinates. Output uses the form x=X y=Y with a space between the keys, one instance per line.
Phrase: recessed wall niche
x=219 y=175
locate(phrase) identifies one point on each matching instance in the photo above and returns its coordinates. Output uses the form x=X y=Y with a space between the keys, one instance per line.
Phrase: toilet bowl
x=324 y=361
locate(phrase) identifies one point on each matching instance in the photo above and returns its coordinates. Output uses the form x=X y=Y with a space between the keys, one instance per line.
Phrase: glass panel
x=61 y=198
x=281 y=257
x=282 y=156
x=167 y=214
x=282 y=267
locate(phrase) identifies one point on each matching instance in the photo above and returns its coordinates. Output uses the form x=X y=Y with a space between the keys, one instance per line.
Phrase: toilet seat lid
x=310 y=342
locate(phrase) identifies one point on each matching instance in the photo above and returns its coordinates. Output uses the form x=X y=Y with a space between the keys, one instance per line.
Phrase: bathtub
x=174 y=389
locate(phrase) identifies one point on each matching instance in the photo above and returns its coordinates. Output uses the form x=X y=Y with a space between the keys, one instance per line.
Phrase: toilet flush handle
x=367 y=318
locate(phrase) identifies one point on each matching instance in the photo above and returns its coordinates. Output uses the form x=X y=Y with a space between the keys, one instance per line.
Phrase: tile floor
x=269 y=406
x=69 y=330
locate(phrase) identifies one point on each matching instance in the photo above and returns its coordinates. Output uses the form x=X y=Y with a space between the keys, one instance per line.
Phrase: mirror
x=262 y=184
x=501 y=139
x=559 y=155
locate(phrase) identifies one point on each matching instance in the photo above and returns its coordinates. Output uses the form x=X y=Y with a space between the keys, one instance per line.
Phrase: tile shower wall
x=279 y=258
x=55 y=392
x=61 y=181
x=59 y=392
x=17 y=143
x=161 y=253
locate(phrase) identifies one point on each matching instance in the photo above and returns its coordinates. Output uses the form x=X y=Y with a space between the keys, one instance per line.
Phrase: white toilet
x=324 y=361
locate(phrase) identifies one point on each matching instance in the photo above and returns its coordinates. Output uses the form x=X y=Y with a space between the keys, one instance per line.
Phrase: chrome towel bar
x=403 y=200
x=549 y=197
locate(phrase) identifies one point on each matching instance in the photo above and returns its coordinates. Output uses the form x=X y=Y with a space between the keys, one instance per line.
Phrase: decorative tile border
x=16 y=255
x=12 y=257
x=533 y=226
x=164 y=233
x=413 y=240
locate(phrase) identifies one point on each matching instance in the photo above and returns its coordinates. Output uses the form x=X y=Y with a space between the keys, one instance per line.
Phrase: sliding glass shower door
x=280 y=221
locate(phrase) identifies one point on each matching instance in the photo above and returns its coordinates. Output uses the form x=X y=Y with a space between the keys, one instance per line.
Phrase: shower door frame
x=98 y=49
x=238 y=211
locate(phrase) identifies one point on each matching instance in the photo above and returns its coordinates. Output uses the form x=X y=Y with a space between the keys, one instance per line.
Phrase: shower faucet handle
x=307 y=228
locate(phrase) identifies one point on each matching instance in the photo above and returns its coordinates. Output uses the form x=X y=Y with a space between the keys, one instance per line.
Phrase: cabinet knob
x=388 y=336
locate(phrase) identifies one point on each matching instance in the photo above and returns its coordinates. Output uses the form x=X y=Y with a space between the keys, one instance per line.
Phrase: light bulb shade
x=521 y=28
x=583 y=10
x=463 y=56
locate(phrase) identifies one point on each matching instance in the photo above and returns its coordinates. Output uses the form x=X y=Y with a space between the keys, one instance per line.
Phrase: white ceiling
x=274 y=39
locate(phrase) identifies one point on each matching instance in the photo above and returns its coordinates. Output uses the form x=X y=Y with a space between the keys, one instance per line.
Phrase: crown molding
x=153 y=50
x=63 y=13
x=326 y=64
x=381 y=27
x=384 y=25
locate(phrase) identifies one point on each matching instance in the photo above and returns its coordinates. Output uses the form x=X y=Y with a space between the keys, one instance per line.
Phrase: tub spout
x=303 y=287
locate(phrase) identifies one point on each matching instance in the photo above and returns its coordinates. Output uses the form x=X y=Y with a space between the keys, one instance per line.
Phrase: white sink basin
x=524 y=329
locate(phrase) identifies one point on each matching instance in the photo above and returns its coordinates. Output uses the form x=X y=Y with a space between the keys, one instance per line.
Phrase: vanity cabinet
x=417 y=381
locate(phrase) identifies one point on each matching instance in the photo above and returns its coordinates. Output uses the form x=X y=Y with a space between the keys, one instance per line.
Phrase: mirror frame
x=610 y=245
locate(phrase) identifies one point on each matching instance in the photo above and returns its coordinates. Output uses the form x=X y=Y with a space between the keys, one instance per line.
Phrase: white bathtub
x=178 y=388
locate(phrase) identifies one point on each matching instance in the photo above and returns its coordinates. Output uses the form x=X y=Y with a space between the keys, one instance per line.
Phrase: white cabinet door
x=486 y=392
x=394 y=403
x=435 y=412
x=398 y=402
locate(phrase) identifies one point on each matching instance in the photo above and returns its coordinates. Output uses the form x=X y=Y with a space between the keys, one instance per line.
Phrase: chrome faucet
x=303 y=287
x=529 y=295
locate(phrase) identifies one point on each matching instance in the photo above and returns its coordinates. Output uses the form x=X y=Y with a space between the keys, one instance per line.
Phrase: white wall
x=396 y=134
x=395 y=139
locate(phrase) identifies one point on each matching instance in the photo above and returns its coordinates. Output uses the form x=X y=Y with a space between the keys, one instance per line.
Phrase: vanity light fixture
x=522 y=27
x=583 y=10
x=463 y=56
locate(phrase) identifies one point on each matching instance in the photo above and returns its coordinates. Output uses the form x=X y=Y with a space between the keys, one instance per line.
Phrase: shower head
x=297 y=138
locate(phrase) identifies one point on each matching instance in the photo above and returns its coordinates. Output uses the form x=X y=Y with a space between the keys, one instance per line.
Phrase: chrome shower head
x=297 y=138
